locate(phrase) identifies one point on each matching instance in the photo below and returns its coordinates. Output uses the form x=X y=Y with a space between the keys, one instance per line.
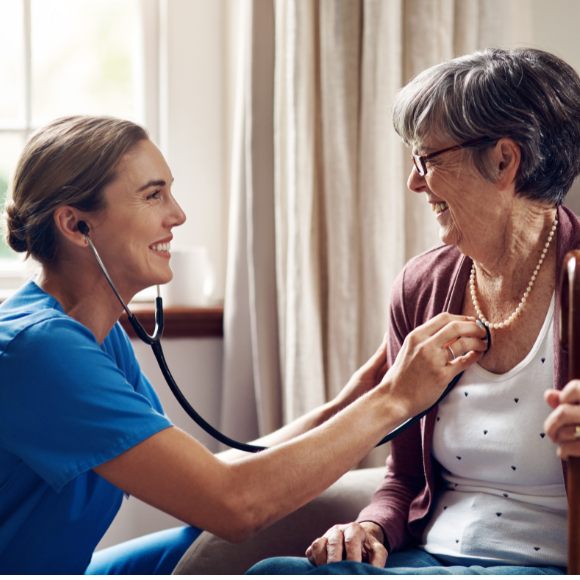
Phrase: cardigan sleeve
x=389 y=507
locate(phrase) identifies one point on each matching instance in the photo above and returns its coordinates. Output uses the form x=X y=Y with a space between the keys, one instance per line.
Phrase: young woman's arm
x=362 y=381
x=176 y=474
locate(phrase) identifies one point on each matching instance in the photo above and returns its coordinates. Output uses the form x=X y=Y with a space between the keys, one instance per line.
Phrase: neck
x=505 y=262
x=84 y=294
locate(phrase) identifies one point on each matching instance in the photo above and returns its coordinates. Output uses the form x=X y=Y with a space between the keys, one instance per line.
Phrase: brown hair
x=70 y=161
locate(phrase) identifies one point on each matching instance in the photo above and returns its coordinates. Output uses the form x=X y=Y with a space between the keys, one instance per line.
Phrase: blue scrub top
x=67 y=404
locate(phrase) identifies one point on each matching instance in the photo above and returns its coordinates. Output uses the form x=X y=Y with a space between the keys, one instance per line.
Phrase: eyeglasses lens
x=421 y=170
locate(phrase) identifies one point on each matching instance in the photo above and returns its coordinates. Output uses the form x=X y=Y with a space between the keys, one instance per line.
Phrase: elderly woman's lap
x=410 y=562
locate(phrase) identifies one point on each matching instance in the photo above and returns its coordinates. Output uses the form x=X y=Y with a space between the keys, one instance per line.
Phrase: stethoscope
x=155 y=342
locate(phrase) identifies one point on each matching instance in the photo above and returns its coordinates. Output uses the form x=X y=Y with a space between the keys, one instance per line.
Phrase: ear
x=507 y=157
x=66 y=219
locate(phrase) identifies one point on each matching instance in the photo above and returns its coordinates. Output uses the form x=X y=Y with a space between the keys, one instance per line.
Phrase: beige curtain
x=251 y=395
x=345 y=223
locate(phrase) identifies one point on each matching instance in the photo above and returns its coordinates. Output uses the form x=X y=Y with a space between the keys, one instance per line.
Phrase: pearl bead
x=520 y=306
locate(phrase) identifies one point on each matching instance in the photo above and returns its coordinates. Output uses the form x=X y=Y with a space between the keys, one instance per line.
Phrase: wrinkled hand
x=365 y=379
x=560 y=426
x=355 y=542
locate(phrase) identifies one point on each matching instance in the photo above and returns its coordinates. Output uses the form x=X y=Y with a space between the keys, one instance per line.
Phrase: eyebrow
x=154 y=183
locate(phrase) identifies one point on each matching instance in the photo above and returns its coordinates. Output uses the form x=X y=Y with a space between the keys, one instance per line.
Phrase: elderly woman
x=496 y=146
x=80 y=424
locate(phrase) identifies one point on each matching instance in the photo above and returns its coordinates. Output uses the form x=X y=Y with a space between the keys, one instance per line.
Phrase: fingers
x=354 y=536
x=567 y=450
x=566 y=415
x=571 y=393
x=460 y=328
x=552 y=397
x=463 y=362
x=563 y=424
x=316 y=552
x=376 y=552
x=348 y=541
x=466 y=344
x=334 y=545
x=569 y=434
x=444 y=320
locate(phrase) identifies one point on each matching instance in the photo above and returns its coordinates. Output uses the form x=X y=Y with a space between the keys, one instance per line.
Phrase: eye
x=154 y=195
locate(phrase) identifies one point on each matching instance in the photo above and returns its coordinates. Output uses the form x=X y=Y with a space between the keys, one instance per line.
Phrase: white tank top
x=503 y=498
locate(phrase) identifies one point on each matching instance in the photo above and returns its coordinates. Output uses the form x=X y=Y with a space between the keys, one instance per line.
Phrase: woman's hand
x=357 y=542
x=364 y=379
x=425 y=365
x=561 y=424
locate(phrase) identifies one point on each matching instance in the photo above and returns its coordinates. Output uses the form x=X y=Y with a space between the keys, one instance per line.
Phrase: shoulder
x=31 y=327
x=423 y=287
x=569 y=227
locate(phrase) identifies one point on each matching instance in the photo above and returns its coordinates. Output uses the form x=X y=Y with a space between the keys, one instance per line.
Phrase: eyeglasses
x=419 y=160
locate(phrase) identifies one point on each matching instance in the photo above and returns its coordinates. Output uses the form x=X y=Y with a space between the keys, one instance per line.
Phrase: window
x=63 y=57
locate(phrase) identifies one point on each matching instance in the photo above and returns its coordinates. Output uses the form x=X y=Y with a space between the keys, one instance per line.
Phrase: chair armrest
x=291 y=536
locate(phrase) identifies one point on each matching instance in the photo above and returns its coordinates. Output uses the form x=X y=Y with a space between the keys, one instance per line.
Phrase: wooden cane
x=570 y=342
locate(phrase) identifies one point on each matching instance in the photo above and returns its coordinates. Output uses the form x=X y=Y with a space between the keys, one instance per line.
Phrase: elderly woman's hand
x=354 y=541
x=561 y=424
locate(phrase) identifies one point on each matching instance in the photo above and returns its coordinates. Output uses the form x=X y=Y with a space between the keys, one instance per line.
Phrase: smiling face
x=468 y=208
x=134 y=231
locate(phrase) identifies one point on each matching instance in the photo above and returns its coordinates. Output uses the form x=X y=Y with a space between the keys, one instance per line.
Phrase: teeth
x=161 y=247
x=439 y=207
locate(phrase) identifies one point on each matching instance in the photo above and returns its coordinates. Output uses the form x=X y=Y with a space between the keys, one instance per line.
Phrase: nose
x=415 y=182
x=175 y=214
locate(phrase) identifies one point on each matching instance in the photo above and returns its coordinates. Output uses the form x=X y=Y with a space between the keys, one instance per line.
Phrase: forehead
x=142 y=164
x=430 y=145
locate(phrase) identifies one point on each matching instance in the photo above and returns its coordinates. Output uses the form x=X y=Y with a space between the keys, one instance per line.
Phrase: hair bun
x=16 y=229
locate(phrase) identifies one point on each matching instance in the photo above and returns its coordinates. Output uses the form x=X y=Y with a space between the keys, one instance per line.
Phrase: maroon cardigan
x=432 y=283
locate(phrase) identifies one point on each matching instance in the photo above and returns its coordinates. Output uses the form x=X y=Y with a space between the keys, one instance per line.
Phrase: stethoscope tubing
x=155 y=342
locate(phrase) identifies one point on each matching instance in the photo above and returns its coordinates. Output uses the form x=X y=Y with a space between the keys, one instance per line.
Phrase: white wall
x=198 y=43
x=555 y=29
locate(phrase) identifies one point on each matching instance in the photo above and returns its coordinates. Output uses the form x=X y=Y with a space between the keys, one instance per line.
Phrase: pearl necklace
x=521 y=305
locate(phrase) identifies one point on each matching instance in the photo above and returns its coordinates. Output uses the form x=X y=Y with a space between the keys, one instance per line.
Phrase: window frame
x=14 y=272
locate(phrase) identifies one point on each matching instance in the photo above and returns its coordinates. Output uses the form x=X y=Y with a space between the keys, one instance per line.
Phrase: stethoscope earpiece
x=83 y=228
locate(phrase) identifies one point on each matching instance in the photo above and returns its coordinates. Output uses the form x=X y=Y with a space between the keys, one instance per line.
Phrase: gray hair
x=528 y=95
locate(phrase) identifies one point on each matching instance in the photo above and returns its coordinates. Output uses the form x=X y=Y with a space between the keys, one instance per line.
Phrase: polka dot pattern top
x=503 y=499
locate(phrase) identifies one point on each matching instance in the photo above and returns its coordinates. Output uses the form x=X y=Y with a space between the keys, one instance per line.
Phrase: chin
x=448 y=236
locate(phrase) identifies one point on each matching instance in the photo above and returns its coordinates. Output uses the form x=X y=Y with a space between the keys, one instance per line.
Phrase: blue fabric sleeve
x=71 y=403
